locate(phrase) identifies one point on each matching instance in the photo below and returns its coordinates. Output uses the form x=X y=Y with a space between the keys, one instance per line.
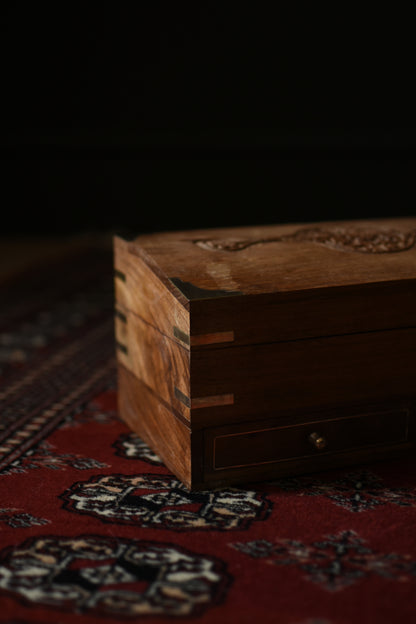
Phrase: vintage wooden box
x=251 y=353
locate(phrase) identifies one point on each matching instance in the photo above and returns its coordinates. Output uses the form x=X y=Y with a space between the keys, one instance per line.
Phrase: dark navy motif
x=163 y=502
x=130 y=446
x=355 y=491
x=334 y=563
x=112 y=576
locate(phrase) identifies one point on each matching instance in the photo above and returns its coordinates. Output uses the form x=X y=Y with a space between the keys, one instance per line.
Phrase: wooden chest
x=255 y=352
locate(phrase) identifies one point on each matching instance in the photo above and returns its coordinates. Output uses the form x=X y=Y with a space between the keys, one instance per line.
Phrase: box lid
x=279 y=282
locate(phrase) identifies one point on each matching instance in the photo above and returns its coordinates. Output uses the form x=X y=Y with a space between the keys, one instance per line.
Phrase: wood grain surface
x=239 y=340
x=285 y=258
x=140 y=288
x=254 y=446
x=154 y=422
x=306 y=314
x=266 y=449
x=160 y=362
x=284 y=287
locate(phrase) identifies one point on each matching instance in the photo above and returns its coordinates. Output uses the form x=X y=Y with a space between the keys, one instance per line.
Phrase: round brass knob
x=318 y=441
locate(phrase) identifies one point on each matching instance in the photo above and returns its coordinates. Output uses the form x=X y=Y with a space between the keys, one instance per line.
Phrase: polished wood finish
x=140 y=288
x=152 y=419
x=281 y=259
x=260 y=292
x=160 y=362
x=273 y=377
x=254 y=446
x=267 y=449
x=269 y=350
x=273 y=317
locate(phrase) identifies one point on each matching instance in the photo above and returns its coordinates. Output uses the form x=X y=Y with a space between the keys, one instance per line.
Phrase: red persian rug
x=94 y=529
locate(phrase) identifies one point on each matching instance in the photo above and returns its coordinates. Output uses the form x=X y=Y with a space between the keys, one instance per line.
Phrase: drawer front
x=235 y=447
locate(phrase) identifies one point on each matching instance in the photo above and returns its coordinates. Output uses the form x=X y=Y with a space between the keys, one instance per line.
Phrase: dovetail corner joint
x=182 y=397
x=181 y=335
x=121 y=347
x=122 y=317
x=119 y=275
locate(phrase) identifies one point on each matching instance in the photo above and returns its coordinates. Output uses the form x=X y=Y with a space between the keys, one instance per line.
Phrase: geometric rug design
x=112 y=576
x=94 y=529
x=161 y=501
x=334 y=563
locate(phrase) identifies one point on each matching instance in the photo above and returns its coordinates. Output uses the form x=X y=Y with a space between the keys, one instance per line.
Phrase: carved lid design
x=362 y=240
x=284 y=258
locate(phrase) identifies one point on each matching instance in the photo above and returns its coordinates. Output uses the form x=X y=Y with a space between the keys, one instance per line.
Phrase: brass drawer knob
x=318 y=440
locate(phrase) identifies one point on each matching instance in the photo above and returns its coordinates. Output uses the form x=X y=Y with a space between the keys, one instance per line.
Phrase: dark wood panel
x=233 y=449
x=383 y=432
x=304 y=465
x=306 y=373
x=319 y=312
x=190 y=454
x=278 y=282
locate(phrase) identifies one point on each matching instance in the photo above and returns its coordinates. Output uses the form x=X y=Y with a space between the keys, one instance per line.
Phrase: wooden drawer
x=236 y=344
x=265 y=449
x=229 y=448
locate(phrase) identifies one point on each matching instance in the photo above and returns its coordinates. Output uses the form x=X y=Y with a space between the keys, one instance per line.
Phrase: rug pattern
x=93 y=524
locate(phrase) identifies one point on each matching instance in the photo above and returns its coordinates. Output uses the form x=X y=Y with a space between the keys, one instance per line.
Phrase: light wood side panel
x=141 y=410
x=161 y=363
x=139 y=288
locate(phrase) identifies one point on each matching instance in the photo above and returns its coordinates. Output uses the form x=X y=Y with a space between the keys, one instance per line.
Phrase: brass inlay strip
x=203 y=339
x=212 y=401
x=214 y=338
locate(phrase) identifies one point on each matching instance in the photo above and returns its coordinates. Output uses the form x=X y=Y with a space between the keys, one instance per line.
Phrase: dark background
x=176 y=118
